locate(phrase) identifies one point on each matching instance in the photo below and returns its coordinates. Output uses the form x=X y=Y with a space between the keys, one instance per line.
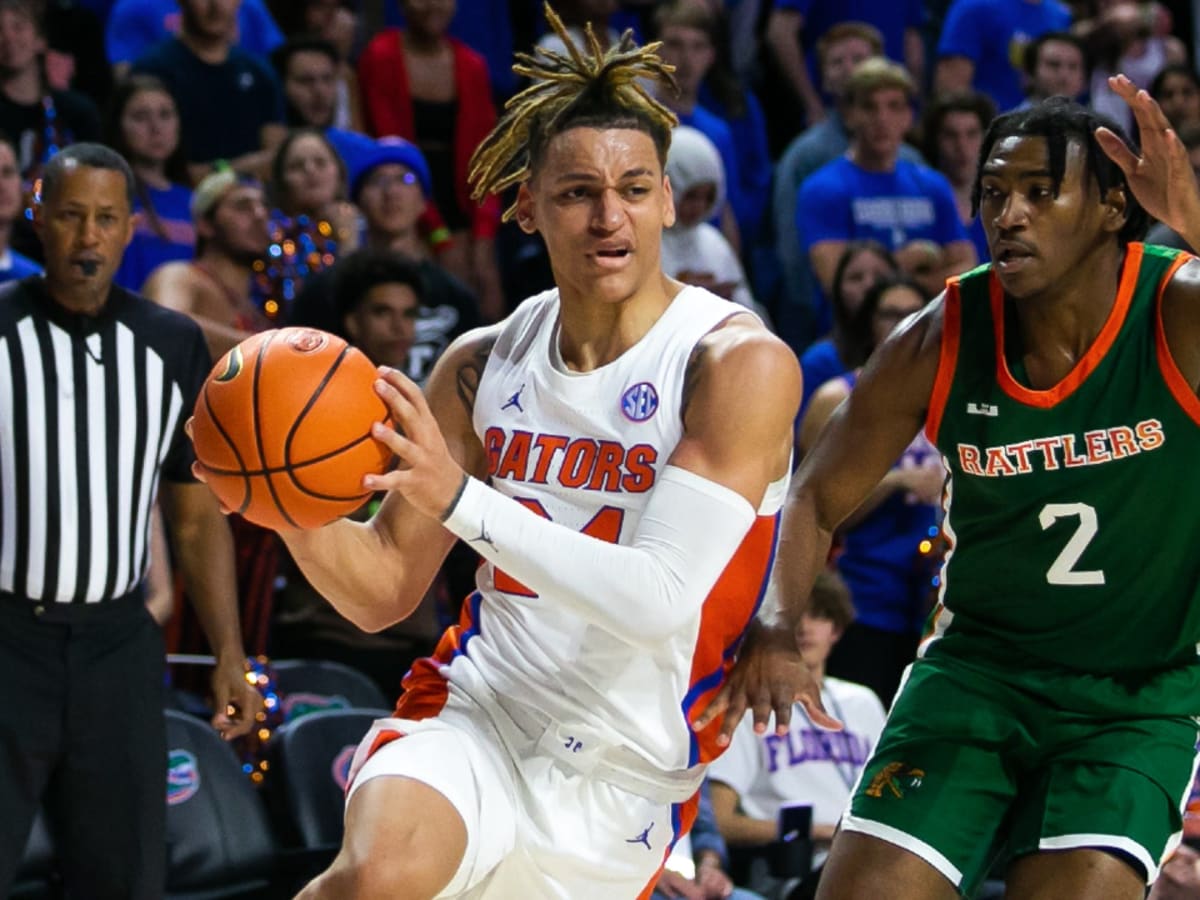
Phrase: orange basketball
x=283 y=425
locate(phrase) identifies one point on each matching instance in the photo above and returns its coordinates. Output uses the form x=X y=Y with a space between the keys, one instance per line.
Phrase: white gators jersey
x=585 y=450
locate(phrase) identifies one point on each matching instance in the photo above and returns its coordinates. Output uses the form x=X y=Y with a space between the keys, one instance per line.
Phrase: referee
x=95 y=385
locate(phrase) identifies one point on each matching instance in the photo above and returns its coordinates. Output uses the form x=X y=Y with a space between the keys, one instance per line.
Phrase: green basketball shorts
x=974 y=767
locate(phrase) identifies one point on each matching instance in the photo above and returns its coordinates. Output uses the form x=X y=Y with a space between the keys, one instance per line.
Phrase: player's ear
x=668 y=202
x=350 y=327
x=1116 y=208
x=524 y=214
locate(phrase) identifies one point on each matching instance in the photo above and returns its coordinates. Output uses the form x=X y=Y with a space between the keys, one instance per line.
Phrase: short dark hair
x=1183 y=69
x=281 y=56
x=1060 y=122
x=1033 y=50
x=356 y=274
x=943 y=105
x=94 y=156
x=830 y=599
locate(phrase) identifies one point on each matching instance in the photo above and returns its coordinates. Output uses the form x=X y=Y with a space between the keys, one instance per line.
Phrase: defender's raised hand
x=1161 y=177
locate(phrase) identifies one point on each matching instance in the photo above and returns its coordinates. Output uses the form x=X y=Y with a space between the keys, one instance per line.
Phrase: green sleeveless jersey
x=1073 y=514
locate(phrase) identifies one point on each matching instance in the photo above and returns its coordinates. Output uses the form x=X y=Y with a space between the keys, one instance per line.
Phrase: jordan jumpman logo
x=485 y=537
x=515 y=400
x=643 y=838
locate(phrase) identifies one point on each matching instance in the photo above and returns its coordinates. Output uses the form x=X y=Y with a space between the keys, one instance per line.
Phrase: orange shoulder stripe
x=1183 y=392
x=947 y=359
x=1089 y=361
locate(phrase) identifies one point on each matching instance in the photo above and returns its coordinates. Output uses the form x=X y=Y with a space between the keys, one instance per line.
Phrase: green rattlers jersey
x=1074 y=512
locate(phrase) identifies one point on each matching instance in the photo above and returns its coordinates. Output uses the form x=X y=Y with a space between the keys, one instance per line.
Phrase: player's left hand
x=1161 y=178
x=236 y=700
x=768 y=677
x=427 y=475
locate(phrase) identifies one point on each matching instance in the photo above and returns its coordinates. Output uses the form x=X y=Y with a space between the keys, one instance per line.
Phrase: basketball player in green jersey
x=1048 y=720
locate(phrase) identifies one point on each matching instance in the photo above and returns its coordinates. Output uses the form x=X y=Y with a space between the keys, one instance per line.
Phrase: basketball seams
x=258 y=436
x=212 y=417
x=289 y=468
x=316 y=486
x=307 y=408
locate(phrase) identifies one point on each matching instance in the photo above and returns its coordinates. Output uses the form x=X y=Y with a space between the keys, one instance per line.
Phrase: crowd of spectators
x=305 y=162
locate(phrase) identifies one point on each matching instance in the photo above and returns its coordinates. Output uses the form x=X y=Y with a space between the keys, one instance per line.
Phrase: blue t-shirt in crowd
x=134 y=26
x=14 y=266
x=842 y=202
x=222 y=107
x=818 y=364
x=993 y=35
x=979 y=238
x=148 y=250
x=891 y=17
x=749 y=132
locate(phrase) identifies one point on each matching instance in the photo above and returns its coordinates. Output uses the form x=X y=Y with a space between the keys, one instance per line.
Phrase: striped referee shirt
x=91 y=415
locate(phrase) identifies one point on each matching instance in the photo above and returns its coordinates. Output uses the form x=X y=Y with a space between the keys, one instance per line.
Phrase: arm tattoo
x=691 y=377
x=470 y=373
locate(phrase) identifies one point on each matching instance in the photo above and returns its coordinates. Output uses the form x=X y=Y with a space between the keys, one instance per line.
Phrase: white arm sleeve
x=642 y=592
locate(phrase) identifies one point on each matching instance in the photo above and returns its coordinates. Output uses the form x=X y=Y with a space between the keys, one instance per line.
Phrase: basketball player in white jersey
x=618 y=452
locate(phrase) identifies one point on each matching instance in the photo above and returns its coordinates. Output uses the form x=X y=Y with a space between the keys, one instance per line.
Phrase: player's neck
x=1066 y=318
x=593 y=334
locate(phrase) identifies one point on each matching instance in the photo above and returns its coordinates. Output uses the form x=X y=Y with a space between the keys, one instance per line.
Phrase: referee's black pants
x=82 y=730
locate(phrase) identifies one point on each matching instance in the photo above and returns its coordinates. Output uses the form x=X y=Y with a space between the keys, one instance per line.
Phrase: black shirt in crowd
x=447 y=310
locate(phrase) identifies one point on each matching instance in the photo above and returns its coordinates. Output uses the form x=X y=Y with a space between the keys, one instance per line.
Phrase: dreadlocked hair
x=590 y=90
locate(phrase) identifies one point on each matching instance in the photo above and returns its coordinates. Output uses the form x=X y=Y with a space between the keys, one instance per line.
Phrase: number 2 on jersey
x=605 y=525
x=1062 y=570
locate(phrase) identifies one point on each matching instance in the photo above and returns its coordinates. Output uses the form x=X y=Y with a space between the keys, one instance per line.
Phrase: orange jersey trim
x=1088 y=362
x=686 y=813
x=425 y=689
x=947 y=359
x=724 y=618
x=1183 y=392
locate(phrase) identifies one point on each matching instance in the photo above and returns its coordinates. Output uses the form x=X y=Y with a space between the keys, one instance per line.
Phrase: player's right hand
x=427 y=474
x=768 y=677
